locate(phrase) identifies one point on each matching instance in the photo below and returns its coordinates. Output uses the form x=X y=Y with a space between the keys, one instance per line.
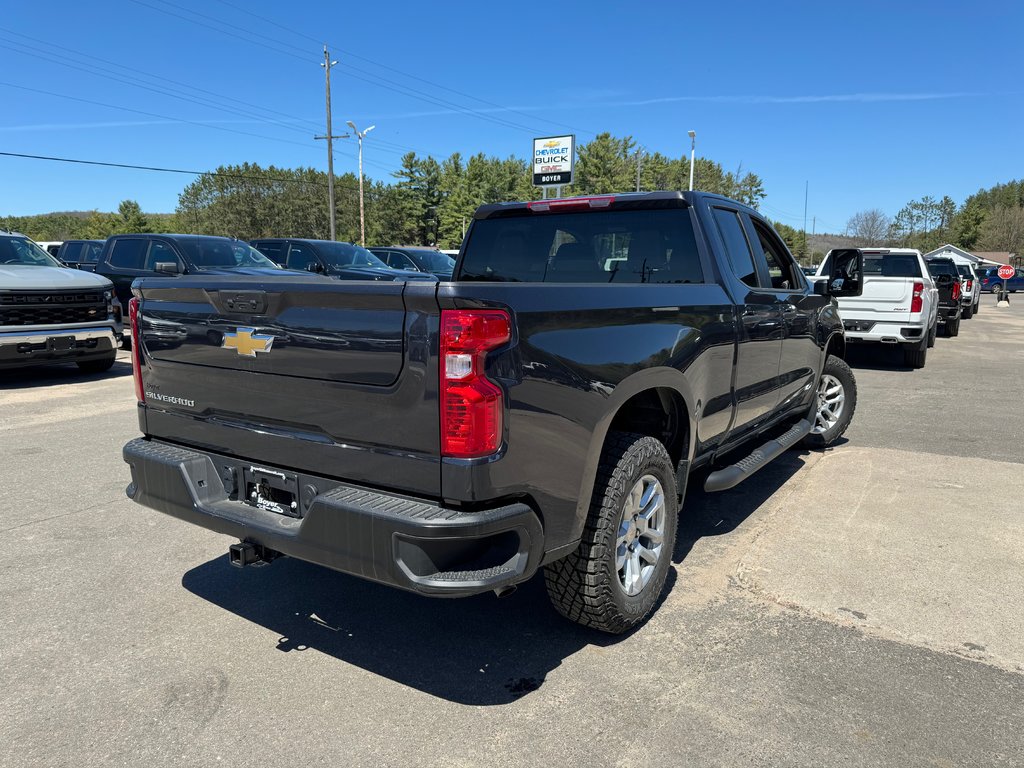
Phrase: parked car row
x=908 y=299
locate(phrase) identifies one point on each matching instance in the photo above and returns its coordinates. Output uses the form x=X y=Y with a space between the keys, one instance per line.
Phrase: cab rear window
x=633 y=246
x=892 y=265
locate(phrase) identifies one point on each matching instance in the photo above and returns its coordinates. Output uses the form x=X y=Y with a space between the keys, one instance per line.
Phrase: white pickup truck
x=899 y=304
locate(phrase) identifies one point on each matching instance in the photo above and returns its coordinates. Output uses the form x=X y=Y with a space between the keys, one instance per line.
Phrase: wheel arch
x=657 y=402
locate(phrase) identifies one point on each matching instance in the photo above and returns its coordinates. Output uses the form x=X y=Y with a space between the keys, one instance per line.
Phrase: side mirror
x=846 y=272
x=167 y=267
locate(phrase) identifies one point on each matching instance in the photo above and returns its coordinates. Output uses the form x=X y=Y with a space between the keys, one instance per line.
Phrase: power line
x=276 y=46
x=158 y=169
x=397 y=71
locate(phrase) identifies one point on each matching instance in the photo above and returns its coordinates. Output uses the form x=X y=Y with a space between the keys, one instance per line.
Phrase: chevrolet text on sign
x=552 y=160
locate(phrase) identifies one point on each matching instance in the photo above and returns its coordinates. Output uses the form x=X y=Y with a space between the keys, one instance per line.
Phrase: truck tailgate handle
x=245 y=302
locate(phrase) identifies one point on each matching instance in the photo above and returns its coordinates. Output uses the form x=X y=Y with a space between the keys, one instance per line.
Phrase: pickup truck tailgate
x=885 y=299
x=333 y=377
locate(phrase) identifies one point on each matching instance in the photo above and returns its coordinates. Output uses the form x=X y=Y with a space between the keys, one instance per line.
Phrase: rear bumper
x=864 y=331
x=56 y=345
x=408 y=543
x=949 y=313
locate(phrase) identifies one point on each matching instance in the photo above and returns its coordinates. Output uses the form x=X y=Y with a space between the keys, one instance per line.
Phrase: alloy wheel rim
x=831 y=399
x=641 y=535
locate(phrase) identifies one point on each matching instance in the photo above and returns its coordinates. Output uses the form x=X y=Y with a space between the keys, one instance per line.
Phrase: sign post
x=553 y=158
x=1004 y=273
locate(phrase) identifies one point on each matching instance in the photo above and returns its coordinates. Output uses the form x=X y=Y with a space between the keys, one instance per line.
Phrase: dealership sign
x=552 y=160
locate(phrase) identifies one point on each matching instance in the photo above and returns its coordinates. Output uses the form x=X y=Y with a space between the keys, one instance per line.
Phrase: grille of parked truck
x=545 y=409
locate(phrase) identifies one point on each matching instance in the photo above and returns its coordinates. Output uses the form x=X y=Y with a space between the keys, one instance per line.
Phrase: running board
x=734 y=474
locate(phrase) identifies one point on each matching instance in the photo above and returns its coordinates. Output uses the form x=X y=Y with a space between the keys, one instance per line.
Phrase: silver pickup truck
x=52 y=314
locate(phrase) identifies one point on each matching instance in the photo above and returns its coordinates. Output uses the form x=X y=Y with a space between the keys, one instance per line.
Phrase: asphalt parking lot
x=862 y=606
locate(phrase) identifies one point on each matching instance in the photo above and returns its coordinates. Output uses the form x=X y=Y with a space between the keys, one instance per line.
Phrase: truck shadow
x=57 y=375
x=716 y=514
x=479 y=650
x=877 y=357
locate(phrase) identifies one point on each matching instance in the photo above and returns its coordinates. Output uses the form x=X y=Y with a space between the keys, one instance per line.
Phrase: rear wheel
x=977 y=305
x=97 y=366
x=834 y=403
x=914 y=355
x=932 y=333
x=616 y=575
x=952 y=327
x=967 y=313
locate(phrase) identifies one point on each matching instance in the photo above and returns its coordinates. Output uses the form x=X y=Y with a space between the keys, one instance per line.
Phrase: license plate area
x=272 y=490
x=60 y=343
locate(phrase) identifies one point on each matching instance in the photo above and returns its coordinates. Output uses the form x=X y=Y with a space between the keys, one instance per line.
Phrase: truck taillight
x=917 y=302
x=970 y=284
x=471 y=404
x=956 y=290
x=135 y=319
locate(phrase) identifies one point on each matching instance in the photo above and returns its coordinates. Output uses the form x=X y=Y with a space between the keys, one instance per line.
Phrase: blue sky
x=872 y=104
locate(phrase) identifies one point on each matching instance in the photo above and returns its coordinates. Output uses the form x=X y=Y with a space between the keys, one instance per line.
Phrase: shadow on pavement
x=59 y=375
x=478 y=650
x=877 y=357
x=715 y=514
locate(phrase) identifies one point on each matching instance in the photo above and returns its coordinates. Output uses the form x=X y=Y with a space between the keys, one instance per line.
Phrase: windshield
x=221 y=253
x=435 y=261
x=348 y=255
x=22 y=251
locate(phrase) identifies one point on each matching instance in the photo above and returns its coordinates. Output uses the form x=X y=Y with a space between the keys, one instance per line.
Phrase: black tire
x=914 y=355
x=585 y=586
x=97 y=366
x=977 y=305
x=838 y=369
x=932 y=333
x=967 y=313
x=953 y=328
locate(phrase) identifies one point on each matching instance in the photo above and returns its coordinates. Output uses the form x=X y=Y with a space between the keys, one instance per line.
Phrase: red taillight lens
x=956 y=290
x=970 y=283
x=917 y=302
x=569 y=203
x=471 y=404
x=135 y=319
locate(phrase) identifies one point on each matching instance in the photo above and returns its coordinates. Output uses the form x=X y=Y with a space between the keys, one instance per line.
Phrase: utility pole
x=639 y=163
x=327 y=64
x=807 y=186
x=362 y=218
x=693 y=154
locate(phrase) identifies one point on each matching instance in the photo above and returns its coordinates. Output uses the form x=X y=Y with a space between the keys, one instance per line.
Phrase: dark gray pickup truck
x=544 y=409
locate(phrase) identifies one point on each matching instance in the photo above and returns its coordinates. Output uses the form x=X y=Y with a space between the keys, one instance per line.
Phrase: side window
x=129 y=253
x=781 y=268
x=91 y=252
x=401 y=261
x=736 y=245
x=300 y=257
x=273 y=251
x=159 y=253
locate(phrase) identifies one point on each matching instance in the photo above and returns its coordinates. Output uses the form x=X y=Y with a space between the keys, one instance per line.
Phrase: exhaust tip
x=505 y=591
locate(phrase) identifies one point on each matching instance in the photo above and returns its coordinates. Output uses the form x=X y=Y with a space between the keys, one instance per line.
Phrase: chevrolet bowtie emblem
x=247 y=342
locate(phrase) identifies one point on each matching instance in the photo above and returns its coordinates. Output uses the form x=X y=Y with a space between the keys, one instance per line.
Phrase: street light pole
x=327 y=64
x=693 y=154
x=362 y=217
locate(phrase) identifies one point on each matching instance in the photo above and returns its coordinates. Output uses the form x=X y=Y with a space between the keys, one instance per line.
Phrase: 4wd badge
x=247 y=342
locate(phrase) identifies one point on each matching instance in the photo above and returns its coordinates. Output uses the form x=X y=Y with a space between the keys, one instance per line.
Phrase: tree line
x=426 y=202
x=990 y=220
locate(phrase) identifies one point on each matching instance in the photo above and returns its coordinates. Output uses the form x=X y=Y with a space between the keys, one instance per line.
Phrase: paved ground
x=864 y=606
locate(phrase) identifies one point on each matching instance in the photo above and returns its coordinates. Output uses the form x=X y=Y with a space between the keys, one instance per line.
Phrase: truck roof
x=660 y=199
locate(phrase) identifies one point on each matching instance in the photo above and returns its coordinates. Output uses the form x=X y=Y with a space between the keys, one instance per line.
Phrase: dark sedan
x=334 y=259
x=428 y=260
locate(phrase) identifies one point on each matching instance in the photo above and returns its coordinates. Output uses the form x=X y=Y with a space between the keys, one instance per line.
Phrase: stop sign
x=1005 y=272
